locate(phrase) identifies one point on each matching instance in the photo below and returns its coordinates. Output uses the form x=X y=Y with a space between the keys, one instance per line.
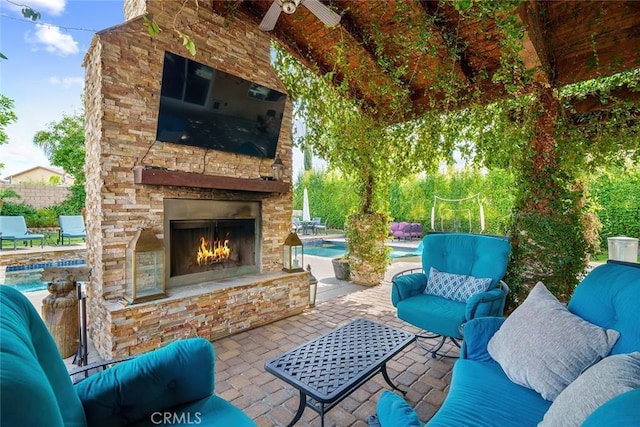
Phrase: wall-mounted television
x=209 y=108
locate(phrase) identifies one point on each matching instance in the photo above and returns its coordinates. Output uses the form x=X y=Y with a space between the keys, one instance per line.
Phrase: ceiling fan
x=324 y=14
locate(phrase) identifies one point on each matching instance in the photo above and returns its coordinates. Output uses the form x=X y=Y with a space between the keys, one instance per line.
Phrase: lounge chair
x=14 y=228
x=71 y=226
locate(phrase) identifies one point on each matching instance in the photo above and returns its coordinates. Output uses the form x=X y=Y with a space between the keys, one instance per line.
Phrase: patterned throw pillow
x=471 y=286
x=456 y=287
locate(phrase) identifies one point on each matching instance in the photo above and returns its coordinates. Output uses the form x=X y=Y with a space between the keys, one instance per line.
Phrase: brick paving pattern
x=241 y=378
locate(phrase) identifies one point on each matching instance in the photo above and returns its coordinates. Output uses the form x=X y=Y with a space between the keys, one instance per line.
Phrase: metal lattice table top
x=327 y=366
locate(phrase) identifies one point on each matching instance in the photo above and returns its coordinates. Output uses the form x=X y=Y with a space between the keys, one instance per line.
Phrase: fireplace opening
x=210 y=240
x=199 y=246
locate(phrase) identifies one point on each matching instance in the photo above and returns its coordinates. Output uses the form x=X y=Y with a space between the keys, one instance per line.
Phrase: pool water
x=335 y=250
x=29 y=287
x=26 y=278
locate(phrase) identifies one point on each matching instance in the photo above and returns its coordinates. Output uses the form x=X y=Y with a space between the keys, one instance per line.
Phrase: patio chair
x=460 y=280
x=14 y=228
x=319 y=225
x=71 y=226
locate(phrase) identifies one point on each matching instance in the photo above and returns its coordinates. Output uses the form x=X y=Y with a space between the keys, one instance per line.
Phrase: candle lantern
x=145 y=268
x=313 y=287
x=293 y=257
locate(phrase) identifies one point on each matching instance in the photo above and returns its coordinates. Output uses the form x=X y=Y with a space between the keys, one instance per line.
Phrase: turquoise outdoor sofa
x=169 y=386
x=584 y=360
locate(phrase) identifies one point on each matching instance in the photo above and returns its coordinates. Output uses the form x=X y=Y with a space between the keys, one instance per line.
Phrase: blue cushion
x=212 y=411
x=131 y=391
x=624 y=409
x=393 y=411
x=608 y=297
x=481 y=395
x=432 y=313
x=34 y=383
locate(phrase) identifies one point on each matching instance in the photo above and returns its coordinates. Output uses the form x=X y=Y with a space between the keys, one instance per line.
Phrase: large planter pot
x=340 y=268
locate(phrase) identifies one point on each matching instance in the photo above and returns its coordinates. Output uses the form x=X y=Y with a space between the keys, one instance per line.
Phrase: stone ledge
x=210 y=310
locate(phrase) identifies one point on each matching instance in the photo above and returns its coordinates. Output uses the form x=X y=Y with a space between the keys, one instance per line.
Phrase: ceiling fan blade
x=271 y=17
x=326 y=15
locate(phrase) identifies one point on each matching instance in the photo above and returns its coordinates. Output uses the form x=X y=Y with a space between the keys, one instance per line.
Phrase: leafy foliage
x=7 y=116
x=617 y=194
x=63 y=144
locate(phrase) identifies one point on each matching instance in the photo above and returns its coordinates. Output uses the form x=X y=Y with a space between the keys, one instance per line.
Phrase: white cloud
x=66 y=82
x=53 y=40
x=54 y=7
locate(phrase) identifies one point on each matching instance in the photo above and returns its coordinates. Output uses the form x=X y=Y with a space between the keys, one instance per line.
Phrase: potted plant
x=341 y=267
x=7 y=193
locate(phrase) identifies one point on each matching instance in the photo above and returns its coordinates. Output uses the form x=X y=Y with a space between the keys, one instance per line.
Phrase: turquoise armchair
x=471 y=255
x=174 y=383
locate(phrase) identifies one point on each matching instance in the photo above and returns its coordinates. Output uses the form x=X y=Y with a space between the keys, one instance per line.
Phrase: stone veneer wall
x=122 y=90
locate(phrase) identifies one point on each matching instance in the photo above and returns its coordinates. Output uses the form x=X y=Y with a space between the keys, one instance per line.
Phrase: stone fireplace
x=213 y=205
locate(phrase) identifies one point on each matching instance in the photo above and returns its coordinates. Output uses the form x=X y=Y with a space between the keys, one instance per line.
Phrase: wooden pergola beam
x=535 y=52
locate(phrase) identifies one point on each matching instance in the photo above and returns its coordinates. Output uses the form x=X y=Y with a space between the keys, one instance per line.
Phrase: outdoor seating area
x=14 y=229
x=308 y=213
x=406 y=230
x=312 y=226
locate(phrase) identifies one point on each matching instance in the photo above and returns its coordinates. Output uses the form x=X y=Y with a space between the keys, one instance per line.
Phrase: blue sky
x=43 y=73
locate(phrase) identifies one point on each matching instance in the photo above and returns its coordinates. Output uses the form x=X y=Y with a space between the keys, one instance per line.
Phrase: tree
x=63 y=144
x=7 y=116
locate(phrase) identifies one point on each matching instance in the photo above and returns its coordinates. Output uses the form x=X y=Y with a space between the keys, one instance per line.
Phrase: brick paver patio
x=241 y=378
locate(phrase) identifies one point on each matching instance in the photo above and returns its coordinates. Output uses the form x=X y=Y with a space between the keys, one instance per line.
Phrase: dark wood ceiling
x=565 y=42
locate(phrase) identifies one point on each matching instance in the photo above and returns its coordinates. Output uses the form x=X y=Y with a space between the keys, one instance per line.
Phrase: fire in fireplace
x=208 y=240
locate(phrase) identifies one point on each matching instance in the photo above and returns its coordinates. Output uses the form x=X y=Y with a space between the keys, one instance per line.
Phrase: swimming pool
x=326 y=249
x=26 y=278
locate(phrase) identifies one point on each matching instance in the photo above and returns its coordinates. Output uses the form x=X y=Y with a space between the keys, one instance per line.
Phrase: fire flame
x=212 y=252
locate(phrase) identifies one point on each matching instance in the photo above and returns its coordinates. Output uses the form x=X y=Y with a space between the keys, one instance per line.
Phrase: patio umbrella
x=306 y=214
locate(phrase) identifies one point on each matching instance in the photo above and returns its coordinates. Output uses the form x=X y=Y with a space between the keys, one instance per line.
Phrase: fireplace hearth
x=209 y=240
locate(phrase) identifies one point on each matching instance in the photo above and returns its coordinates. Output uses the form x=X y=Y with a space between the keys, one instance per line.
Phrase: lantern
x=145 y=267
x=293 y=258
x=313 y=287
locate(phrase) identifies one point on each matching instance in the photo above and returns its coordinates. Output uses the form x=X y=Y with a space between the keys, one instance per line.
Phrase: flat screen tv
x=205 y=107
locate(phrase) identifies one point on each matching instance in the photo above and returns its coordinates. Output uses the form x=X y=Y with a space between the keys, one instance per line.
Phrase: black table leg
x=383 y=369
x=301 y=406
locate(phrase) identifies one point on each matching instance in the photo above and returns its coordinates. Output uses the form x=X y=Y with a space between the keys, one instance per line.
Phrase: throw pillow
x=394 y=411
x=470 y=287
x=456 y=287
x=612 y=376
x=543 y=346
x=443 y=284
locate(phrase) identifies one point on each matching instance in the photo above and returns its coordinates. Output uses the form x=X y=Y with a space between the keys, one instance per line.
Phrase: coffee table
x=329 y=368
